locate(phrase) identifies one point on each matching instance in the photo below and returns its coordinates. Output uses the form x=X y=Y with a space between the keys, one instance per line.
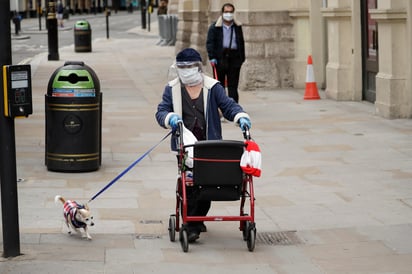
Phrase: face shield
x=191 y=64
x=189 y=73
x=172 y=72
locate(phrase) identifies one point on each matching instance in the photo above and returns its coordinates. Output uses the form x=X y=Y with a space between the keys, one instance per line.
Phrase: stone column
x=72 y=6
x=342 y=45
x=172 y=7
x=192 y=26
x=300 y=13
x=393 y=98
x=310 y=39
x=269 y=43
x=409 y=57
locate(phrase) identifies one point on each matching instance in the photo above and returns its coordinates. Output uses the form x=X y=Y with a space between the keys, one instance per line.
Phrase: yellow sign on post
x=17 y=91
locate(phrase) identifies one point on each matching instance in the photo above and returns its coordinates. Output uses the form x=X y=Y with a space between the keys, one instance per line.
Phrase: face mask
x=228 y=16
x=190 y=76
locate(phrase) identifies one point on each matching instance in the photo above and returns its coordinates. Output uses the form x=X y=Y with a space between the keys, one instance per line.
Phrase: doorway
x=370 y=56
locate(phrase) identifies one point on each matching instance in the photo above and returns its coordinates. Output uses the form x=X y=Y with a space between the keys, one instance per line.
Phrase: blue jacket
x=215 y=98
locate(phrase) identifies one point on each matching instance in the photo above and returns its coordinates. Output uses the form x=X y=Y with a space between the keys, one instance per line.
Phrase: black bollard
x=143 y=10
x=107 y=13
x=52 y=33
x=16 y=22
x=39 y=11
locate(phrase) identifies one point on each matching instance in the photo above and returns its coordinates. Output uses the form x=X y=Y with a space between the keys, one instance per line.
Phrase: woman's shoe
x=192 y=236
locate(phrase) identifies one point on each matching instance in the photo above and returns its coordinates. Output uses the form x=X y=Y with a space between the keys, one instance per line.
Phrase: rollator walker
x=216 y=176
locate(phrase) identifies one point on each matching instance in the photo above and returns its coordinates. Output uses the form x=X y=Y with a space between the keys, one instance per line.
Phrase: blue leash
x=128 y=168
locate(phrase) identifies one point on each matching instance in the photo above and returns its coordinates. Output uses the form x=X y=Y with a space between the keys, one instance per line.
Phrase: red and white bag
x=251 y=161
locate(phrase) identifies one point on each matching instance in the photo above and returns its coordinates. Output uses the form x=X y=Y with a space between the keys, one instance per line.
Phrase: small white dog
x=76 y=215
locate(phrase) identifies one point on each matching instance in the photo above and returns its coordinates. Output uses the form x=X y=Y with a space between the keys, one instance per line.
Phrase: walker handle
x=179 y=132
x=246 y=134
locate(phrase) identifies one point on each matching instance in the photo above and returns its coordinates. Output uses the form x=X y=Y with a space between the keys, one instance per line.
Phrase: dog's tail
x=59 y=198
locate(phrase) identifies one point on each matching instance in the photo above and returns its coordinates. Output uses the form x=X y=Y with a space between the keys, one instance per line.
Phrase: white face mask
x=190 y=76
x=228 y=16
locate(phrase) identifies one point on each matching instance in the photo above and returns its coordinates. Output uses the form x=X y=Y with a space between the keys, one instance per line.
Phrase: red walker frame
x=247 y=222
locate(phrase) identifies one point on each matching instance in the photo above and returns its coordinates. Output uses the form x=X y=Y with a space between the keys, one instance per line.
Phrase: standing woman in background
x=226 y=49
x=60 y=10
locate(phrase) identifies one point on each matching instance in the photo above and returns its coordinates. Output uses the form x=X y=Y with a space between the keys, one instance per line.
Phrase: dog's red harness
x=69 y=211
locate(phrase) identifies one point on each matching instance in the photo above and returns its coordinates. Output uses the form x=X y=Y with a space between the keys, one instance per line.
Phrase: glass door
x=369 y=50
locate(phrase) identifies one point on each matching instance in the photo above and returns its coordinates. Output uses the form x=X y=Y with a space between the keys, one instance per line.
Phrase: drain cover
x=148 y=236
x=278 y=238
x=146 y=222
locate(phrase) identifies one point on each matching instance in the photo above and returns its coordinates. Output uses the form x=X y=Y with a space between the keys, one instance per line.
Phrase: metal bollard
x=168 y=33
x=173 y=23
x=161 y=19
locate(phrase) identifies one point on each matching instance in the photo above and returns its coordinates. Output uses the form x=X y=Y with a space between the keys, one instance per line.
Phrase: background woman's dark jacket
x=214 y=43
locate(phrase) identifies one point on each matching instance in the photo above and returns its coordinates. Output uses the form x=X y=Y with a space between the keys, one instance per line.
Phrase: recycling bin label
x=73 y=83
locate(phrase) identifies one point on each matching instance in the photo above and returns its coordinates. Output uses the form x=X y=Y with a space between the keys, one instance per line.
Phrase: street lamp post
x=52 y=34
x=8 y=174
x=39 y=13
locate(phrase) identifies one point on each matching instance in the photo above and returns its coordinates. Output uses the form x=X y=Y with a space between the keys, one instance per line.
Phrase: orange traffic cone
x=311 y=91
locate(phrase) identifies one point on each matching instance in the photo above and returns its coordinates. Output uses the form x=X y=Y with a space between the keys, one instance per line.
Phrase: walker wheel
x=246 y=225
x=251 y=240
x=172 y=227
x=184 y=242
x=246 y=230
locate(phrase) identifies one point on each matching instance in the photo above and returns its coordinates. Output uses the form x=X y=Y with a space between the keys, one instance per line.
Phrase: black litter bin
x=73 y=119
x=82 y=36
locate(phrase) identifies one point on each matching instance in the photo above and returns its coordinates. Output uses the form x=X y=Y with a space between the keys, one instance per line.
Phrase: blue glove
x=174 y=120
x=213 y=62
x=244 y=123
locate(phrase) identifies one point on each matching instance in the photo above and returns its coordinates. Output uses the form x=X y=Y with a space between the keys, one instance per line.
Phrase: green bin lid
x=79 y=78
x=74 y=79
x=82 y=25
x=77 y=83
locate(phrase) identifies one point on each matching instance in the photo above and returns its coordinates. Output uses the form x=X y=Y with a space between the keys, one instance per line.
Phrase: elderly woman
x=195 y=99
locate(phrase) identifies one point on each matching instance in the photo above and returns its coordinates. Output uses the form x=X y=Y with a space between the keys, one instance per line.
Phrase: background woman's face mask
x=228 y=16
x=190 y=76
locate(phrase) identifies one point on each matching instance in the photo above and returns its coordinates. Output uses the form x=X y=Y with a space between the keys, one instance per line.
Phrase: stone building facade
x=361 y=48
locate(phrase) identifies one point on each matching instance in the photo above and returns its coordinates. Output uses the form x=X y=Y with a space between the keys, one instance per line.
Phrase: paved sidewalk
x=335 y=189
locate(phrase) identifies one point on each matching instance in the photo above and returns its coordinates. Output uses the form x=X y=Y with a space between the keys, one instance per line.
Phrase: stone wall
x=268 y=42
x=269 y=50
x=192 y=32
